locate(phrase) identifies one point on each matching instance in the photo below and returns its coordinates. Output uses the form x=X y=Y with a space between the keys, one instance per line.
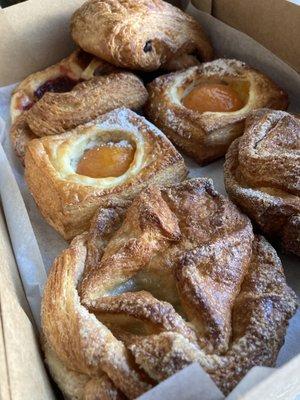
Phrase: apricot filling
x=108 y=160
x=214 y=97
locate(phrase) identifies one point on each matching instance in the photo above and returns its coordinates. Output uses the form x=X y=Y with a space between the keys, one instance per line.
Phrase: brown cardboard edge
x=203 y=5
x=274 y=23
x=8 y=268
x=4 y=386
x=22 y=34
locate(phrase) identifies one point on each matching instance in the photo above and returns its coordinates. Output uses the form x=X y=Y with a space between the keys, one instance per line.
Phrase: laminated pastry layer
x=65 y=95
x=203 y=109
x=262 y=175
x=106 y=161
x=140 y=35
x=177 y=278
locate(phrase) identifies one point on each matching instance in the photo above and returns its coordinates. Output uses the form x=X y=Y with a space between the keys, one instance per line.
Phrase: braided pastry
x=203 y=108
x=106 y=161
x=179 y=277
x=139 y=34
x=262 y=175
x=65 y=95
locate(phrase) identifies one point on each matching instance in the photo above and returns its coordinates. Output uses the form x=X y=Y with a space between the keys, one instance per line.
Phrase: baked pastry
x=70 y=93
x=262 y=175
x=140 y=34
x=204 y=108
x=57 y=78
x=177 y=278
x=102 y=163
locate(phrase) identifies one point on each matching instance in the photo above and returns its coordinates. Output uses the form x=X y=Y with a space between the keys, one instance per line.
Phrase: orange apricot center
x=105 y=161
x=215 y=97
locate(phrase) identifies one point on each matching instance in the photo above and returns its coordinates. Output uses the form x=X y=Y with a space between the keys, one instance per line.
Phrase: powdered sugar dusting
x=223 y=67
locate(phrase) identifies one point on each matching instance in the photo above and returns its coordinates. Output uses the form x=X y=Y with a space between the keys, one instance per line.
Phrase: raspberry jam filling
x=57 y=85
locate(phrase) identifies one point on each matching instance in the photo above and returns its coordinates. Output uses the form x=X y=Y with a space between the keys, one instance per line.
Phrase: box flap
x=23 y=36
x=273 y=23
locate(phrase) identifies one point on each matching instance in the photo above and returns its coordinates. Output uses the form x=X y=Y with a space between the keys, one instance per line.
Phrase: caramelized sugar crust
x=180 y=277
x=262 y=175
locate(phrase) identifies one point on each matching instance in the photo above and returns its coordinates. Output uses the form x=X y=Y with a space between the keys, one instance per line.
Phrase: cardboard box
x=30 y=33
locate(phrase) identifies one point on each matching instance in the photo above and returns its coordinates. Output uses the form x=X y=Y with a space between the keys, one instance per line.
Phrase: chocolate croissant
x=177 y=278
x=65 y=95
x=139 y=34
x=262 y=175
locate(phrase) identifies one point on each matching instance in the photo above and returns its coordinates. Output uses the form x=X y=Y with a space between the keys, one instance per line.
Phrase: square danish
x=203 y=109
x=103 y=163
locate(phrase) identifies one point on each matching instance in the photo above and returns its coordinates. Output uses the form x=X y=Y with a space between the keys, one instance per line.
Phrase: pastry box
x=34 y=35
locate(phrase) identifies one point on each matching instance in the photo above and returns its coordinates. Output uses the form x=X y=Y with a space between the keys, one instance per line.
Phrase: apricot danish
x=262 y=175
x=179 y=277
x=106 y=161
x=140 y=34
x=72 y=92
x=203 y=109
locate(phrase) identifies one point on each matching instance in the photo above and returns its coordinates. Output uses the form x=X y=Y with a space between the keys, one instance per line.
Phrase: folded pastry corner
x=177 y=278
x=202 y=109
x=102 y=163
x=262 y=175
x=142 y=35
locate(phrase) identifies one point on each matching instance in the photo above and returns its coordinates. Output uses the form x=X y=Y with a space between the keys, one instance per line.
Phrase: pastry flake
x=140 y=34
x=262 y=175
x=203 y=109
x=177 y=278
x=58 y=168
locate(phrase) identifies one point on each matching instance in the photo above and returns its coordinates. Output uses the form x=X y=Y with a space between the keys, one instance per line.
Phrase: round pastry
x=140 y=34
x=203 y=108
x=177 y=278
x=262 y=175
x=106 y=161
x=70 y=93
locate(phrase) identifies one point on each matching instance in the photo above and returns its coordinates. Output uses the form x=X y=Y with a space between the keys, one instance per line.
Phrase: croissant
x=176 y=278
x=203 y=109
x=139 y=34
x=74 y=91
x=106 y=161
x=262 y=175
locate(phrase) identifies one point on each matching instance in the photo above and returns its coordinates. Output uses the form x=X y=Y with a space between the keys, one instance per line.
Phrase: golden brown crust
x=71 y=67
x=60 y=112
x=138 y=34
x=67 y=94
x=262 y=175
x=179 y=278
x=67 y=72
x=86 y=345
x=68 y=200
x=21 y=135
x=206 y=136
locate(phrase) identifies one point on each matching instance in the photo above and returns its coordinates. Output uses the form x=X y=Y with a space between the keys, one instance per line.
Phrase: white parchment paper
x=227 y=42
